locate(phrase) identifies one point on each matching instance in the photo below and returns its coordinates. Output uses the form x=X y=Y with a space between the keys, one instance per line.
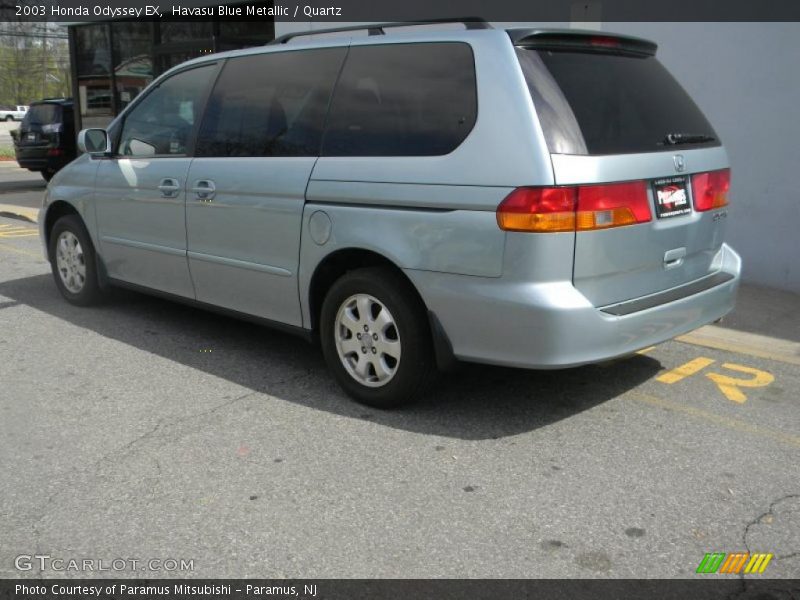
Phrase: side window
x=162 y=123
x=270 y=104
x=403 y=100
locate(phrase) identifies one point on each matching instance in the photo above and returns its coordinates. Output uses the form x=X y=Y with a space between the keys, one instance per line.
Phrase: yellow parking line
x=685 y=370
x=740 y=342
x=730 y=385
x=727 y=422
x=19 y=232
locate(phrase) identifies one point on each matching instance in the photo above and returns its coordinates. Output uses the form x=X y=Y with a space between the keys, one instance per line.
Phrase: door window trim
x=119 y=125
x=220 y=72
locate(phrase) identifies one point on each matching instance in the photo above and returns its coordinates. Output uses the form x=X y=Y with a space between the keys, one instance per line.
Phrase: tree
x=34 y=62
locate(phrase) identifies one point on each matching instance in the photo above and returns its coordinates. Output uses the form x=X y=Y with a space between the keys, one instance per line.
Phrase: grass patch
x=7 y=153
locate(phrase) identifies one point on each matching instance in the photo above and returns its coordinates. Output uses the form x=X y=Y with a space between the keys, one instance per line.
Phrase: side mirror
x=94 y=142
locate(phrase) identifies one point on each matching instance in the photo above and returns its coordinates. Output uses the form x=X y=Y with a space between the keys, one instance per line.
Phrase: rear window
x=42 y=114
x=403 y=100
x=602 y=103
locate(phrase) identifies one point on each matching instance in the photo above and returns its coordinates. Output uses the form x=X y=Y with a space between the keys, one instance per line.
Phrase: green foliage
x=34 y=62
x=6 y=152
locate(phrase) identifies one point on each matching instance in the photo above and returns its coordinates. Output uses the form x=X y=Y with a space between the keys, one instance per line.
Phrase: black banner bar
x=704 y=586
x=347 y=11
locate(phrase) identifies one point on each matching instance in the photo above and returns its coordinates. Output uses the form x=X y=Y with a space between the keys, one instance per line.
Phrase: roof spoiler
x=582 y=41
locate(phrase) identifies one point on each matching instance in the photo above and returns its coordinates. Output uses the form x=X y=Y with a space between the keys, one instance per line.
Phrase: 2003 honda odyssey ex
x=532 y=198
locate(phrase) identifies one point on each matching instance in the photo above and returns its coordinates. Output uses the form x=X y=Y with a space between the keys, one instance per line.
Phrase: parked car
x=529 y=198
x=13 y=113
x=45 y=141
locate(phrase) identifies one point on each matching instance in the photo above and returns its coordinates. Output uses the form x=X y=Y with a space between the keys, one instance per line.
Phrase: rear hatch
x=42 y=125
x=625 y=135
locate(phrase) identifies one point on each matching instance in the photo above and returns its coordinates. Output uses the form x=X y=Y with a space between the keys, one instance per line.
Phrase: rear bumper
x=552 y=325
x=36 y=158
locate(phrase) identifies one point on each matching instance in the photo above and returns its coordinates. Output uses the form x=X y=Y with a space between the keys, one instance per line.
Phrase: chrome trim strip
x=240 y=264
x=143 y=245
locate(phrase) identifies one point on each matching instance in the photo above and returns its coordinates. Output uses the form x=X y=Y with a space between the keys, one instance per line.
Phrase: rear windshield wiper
x=673 y=139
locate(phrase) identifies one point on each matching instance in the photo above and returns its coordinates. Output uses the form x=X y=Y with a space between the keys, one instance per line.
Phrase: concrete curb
x=23 y=213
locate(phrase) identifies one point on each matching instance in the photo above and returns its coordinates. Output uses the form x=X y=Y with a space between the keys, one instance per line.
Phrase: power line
x=49 y=36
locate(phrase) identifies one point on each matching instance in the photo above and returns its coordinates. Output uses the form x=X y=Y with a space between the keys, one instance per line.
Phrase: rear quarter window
x=403 y=100
x=602 y=103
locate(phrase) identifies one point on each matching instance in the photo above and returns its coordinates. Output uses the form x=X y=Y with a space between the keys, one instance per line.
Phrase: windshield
x=601 y=103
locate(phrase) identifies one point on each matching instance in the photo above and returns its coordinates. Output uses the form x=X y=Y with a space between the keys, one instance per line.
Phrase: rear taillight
x=612 y=205
x=578 y=208
x=710 y=190
x=538 y=209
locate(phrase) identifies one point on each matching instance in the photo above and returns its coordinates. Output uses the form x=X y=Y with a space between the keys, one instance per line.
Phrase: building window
x=93 y=66
x=113 y=62
x=133 y=60
x=185 y=31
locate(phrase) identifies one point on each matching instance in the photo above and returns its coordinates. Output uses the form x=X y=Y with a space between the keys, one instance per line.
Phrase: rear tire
x=9 y=118
x=72 y=260
x=48 y=174
x=375 y=338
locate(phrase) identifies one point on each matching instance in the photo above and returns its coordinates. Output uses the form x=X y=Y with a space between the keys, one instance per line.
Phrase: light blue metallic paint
x=502 y=298
x=515 y=321
x=240 y=264
x=107 y=239
x=75 y=186
x=142 y=223
x=621 y=263
x=453 y=241
x=506 y=135
x=244 y=242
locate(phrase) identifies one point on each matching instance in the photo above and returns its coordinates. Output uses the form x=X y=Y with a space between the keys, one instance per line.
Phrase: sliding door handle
x=204 y=190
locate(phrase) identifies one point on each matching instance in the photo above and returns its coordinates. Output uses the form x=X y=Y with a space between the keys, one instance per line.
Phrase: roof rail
x=378 y=28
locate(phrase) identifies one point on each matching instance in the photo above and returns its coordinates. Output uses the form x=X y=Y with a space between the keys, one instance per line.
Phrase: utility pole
x=44 y=61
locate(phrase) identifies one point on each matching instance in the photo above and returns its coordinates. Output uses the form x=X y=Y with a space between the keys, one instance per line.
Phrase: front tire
x=376 y=339
x=72 y=259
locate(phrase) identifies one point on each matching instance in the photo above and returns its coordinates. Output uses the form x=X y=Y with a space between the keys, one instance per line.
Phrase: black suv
x=45 y=141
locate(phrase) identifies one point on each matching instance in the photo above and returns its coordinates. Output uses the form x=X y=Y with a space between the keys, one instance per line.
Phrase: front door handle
x=204 y=190
x=169 y=187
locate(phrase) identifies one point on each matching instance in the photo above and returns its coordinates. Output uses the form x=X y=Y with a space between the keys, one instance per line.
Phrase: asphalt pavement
x=20 y=191
x=146 y=429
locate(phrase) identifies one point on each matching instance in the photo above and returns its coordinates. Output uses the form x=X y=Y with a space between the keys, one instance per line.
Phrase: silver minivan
x=530 y=198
